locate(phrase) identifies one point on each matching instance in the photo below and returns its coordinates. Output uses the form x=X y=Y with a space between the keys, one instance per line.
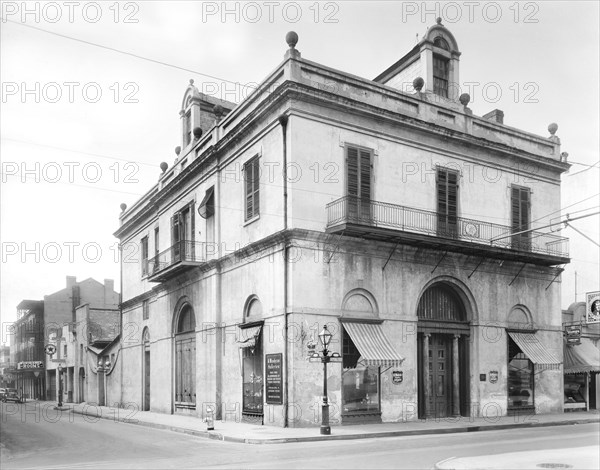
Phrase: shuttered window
x=520 y=201
x=144 y=250
x=440 y=76
x=447 y=201
x=252 y=188
x=359 y=163
x=182 y=234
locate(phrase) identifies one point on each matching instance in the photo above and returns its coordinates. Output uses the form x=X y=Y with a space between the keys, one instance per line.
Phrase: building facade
x=51 y=321
x=394 y=216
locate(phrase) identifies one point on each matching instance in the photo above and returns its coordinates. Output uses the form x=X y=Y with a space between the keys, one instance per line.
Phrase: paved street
x=42 y=439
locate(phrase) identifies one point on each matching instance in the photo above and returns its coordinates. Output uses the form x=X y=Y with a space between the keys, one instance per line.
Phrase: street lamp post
x=325 y=357
x=60 y=386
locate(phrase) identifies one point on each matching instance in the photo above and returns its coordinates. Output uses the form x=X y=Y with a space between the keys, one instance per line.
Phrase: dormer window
x=441 y=43
x=187 y=128
x=440 y=75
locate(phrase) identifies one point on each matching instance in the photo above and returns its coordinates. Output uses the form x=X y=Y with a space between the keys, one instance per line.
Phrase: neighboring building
x=7 y=368
x=581 y=359
x=395 y=218
x=40 y=322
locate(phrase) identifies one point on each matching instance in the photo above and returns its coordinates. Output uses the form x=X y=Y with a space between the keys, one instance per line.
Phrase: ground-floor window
x=360 y=383
x=520 y=378
x=252 y=365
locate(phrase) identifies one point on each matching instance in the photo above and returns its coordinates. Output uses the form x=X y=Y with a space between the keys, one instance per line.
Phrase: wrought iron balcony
x=179 y=257
x=391 y=222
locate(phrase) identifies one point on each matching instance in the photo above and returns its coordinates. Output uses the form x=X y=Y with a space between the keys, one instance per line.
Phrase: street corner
x=579 y=458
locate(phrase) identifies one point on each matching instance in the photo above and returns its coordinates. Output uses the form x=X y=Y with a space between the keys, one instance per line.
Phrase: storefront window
x=520 y=378
x=252 y=359
x=360 y=384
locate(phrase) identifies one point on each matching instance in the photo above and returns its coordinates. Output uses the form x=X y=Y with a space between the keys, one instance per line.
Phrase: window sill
x=253 y=219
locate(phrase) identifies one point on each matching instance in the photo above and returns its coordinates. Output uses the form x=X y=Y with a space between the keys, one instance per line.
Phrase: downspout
x=283 y=120
x=121 y=319
x=218 y=300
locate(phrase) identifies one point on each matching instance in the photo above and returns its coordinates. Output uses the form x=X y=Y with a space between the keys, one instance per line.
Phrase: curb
x=339 y=437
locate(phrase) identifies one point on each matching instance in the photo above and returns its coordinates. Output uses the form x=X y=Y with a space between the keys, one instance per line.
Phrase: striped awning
x=248 y=336
x=374 y=347
x=581 y=358
x=531 y=345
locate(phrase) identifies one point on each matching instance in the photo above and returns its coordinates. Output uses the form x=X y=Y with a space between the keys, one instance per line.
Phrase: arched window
x=441 y=303
x=187 y=321
x=441 y=43
x=185 y=359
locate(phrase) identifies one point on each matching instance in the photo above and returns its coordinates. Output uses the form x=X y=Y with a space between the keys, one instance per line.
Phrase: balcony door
x=182 y=234
x=447 y=203
x=359 y=164
x=520 y=217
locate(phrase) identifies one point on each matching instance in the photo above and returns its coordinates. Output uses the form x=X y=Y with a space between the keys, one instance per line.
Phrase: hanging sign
x=592 y=307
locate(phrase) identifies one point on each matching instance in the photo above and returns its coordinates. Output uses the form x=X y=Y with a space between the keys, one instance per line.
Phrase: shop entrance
x=442 y=359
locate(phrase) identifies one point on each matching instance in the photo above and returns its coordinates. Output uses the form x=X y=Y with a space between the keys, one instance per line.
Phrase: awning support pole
x=337 y=244
x=560 y=270
x=515 y=278
x=478 y=264
x=390 y=257
x=438 y=263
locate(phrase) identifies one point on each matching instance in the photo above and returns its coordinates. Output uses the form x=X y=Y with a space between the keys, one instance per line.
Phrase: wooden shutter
x=447 y=201
x=255 y=189
x=252 y=181
x=352 y=173
x=365 y=175
x=452 y=197
x=520 y=199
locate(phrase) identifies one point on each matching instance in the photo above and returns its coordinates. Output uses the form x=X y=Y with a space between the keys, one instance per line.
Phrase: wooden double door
x=441 y=373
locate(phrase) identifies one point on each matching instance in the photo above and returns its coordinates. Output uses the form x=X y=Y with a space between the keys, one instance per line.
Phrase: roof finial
x=191 y=81
x=439 y=20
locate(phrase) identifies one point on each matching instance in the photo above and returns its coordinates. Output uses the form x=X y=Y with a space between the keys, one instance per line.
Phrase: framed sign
x=592 y=307
x=493 y=376
x=274 y=378
x=397 y=377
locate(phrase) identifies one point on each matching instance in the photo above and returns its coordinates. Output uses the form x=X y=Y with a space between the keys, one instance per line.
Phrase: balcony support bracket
x=558 y=273
x=337 y=244
x=515 y=278
x=390 y=257
x=476 y=267
x=438 y=263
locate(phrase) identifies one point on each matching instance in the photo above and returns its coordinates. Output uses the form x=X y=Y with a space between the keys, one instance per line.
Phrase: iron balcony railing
x=182 y=251
x=355 y=211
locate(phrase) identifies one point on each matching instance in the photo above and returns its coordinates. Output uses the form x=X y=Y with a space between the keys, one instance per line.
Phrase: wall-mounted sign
x=274 y=378
x=493 y=376
x=573 y=334
x=26 y=365
x=397 y=377
x=50 y=349
x=482 y=377
x=592 y=307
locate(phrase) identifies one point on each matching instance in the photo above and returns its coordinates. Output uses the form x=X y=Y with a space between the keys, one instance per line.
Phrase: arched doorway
x=146 y=368
x=443 y=376
x=185 y=359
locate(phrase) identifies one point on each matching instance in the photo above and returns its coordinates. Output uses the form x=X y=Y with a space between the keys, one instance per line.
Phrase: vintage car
x=11 y=394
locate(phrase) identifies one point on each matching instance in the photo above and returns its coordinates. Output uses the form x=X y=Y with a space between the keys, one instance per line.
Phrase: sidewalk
x=255 y=434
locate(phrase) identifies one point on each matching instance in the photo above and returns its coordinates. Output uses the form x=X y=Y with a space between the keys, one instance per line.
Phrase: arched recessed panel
x=441 y=43
x=360 y=300
x=441 y=303
x=187 y=320
x=520 y=318
x=253 y=307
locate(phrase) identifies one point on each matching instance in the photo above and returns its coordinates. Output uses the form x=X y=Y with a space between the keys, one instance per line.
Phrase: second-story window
x=447 y=202
x=182 y=234
x=145 y=310
x=359 y=164
x=144 y=255
x=187 y=128
x=520 y=202
x=156 y=241
x=252 y=188
x=440 y=75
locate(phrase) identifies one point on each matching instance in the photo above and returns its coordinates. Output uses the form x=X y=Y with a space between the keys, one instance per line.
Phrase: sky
x=91 y=94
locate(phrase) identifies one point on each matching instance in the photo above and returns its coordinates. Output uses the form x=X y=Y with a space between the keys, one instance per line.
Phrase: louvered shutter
x=515 y=209
x=248 y=179
x=442 y=194
x=352 y=171
x=519 y=205
x=365 y=175
x=255 y=189
x=452 y=198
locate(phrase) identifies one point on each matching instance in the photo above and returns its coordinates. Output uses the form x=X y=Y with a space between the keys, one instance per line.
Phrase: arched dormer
x=190 y=114
x=435 y=59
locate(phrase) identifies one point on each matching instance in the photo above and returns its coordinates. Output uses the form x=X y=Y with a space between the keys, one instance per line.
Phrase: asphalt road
x=42 y=439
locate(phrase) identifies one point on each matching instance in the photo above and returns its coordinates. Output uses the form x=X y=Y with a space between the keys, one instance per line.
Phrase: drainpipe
x=283 y=120
x=120 y=320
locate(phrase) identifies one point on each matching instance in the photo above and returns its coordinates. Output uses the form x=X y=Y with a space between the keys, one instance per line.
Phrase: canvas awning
x=581 y=358
x=531 y=345
x=248 y=336
x=374 y=347
x=207 y=206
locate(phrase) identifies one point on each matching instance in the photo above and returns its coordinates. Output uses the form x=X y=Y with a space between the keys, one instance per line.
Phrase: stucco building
x=388 y=212
x=52 y=320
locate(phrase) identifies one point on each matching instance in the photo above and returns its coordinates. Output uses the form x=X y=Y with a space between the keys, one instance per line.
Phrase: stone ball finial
x=197 y=132
x=292 y=39
x=418 y=83
x=218 y=110
x=191 y=81
x=177 y=150
x=123 y=206
x=164 y=166
x=552 y=128
x=438 y=20
x=464 y=99
x=564 y=156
